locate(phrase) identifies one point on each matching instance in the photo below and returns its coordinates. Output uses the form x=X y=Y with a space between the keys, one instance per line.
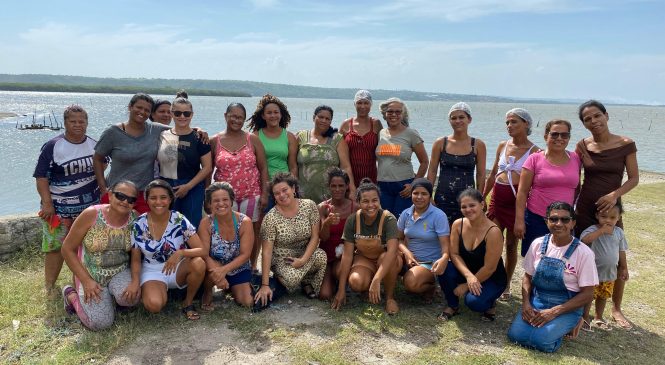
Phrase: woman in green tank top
x=269 y=122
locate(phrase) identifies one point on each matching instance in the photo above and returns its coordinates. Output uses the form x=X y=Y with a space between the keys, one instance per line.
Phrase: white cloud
x=472 y=68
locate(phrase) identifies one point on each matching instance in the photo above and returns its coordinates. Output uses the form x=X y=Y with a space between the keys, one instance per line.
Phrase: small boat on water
x=52 y=123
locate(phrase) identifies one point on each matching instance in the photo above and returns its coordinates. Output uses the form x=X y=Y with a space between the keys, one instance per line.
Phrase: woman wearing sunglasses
x=97 y=252
x=547 y=176
x=560 y=274
x=132 y=146
x=184 y=161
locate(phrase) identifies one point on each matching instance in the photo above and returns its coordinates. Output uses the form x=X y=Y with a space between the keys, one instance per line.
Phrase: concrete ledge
x=17 y=232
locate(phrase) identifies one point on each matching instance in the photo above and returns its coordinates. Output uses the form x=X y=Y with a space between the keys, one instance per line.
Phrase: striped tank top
x=362 y=152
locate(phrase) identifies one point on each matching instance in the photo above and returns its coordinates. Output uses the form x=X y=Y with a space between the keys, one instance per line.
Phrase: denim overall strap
x=571 y=248
x=549 y=288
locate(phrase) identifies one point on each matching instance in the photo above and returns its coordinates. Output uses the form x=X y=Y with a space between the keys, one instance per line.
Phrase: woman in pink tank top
x=361 y=134
x=240 y=160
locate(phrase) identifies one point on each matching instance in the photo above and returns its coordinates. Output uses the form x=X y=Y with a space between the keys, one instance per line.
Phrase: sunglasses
x=555 y=220
x=178 y=113
x=563 y=135
x=123 y=197
x=396 y=112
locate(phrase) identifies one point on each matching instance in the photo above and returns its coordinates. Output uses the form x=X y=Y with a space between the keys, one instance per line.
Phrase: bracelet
x=268 y=285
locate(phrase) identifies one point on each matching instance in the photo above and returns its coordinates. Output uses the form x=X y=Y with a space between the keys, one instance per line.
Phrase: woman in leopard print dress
x=290 y=242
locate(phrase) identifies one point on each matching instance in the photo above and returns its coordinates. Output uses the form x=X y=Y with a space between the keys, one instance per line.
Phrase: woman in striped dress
x=361 y=134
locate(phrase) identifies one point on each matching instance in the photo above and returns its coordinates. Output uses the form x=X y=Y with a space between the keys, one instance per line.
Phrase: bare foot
x=576 y=331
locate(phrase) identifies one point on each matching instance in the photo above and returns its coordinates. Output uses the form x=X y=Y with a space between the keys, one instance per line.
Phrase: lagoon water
x=19 y=148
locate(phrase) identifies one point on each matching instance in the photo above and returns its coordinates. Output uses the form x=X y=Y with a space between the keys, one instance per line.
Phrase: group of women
x=335 y=209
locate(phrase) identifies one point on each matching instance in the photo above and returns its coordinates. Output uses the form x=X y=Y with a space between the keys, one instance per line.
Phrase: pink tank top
x=239 y=169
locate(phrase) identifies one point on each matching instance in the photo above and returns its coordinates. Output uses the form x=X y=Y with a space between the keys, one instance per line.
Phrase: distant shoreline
x=106 y=89
x=7 y=115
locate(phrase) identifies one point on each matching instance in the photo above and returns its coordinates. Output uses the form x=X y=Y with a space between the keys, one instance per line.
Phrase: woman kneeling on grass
x=559 y=278
x=334 y=213
x=97 y=252
x=228 y=238
x=290 y=242
x=171 y=251
x=372 y=234
x=477 y=272
x=424 y=240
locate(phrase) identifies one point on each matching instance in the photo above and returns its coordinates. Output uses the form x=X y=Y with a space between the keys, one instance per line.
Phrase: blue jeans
x=191 y=206
x=451 y=278
x=547 y=338
x=535 y=227
x=390 y=198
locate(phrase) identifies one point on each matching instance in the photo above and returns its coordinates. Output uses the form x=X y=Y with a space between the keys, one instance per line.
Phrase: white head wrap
x=524 y=115
x=460 y=106
x=362 y=94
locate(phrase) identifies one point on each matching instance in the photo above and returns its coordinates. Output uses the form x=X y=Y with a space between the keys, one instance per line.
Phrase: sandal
x=309 y=291
x=206 y=302
x=488 y=316
x=391 y=306
x=505 y=296
x=445 y=316
x=190 y=313
x=69 y=307
x=601 y=324
x=586 y=326
x=623 y=323
x=207 y=307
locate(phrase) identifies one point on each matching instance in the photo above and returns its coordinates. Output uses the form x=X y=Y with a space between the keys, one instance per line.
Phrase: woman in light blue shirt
x=424 y=240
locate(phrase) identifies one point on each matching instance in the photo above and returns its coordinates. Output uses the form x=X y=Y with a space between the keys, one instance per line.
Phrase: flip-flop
x=586 y=326
x=207 y=307
x=505 y=296
x=190 y=313
x=601 y=324
x=445 y=316
x=623 y=323
x=309 y=291
x=488 y=317
x=69 y=307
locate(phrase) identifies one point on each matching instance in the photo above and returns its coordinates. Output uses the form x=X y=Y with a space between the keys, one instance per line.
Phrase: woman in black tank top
x=477 y=272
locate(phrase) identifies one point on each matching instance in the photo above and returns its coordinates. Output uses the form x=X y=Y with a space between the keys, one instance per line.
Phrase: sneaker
x=69 y=307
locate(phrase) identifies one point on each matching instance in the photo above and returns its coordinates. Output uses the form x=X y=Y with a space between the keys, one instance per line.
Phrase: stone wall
x=18 y=231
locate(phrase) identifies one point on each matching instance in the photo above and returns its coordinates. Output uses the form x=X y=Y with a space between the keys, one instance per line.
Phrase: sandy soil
x=204 y=343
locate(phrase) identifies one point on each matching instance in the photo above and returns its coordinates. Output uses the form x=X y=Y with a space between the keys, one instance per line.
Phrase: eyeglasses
x=555 y=220
x=396 y=112
x=178 y=113
x=563 y=135
x=123 y=197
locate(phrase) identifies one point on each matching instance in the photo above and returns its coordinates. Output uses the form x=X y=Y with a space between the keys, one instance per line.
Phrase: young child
x=608 y=243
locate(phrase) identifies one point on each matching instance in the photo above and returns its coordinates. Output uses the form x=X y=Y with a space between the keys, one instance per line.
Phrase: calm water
x=19 y=149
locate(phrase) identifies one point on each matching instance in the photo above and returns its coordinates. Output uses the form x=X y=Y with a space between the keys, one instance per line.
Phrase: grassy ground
x=36 y=330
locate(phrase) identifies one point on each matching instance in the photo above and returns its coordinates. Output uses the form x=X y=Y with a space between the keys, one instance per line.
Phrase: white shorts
x=154 y=272
x=249 y=207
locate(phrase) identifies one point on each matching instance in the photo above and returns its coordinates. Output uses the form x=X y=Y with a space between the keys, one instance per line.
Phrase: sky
x=610 y=50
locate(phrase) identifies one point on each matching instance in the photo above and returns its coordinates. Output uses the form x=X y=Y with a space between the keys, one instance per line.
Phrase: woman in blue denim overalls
x=560 y=274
